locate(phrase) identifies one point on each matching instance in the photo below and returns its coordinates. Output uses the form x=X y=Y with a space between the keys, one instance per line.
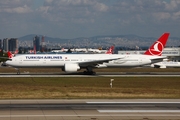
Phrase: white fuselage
x=167 y=64
x=59 y=60
x=55 y=60
x=133 y=61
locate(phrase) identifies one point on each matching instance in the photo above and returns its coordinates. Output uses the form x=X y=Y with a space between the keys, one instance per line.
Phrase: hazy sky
x=87 y=18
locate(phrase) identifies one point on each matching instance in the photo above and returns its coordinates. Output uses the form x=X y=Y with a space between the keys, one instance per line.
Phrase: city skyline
x=86 y=18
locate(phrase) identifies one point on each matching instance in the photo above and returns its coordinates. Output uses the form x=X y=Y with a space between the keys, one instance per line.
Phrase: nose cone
x=7 y=62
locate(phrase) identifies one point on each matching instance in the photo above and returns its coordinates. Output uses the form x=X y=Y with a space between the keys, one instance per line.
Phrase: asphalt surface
x=101 y=74
x=90 y=109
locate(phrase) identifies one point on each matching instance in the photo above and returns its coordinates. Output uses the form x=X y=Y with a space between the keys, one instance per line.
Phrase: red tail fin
x=110 y=51
x=10 y=55
x=34 y=49
x=158 y=46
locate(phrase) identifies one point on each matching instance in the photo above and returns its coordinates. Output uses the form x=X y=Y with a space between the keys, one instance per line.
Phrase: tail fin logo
x=9 y=54
x=157 y=48
x=110 y=50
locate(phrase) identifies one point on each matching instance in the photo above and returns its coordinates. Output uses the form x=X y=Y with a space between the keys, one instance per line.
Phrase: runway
x=99 y=74
x=89 y=76
x=90 y=109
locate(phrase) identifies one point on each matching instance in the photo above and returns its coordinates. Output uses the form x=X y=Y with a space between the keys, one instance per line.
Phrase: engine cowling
x=101 y=66
x=158 y=65
x=163 y=66
x=71 y=67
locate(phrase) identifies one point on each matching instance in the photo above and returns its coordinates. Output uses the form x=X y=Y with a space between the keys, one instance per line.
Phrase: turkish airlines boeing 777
x=67 y=62
x=75 y=62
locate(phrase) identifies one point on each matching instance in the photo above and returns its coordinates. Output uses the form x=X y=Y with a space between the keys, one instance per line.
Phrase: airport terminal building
x=172 y=53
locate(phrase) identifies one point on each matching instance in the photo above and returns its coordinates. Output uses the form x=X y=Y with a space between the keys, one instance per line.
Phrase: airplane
x=152 y=55
x=5 y=58
x=166 y=64
x=110 y=51
x=62 y=50
x=83 y=50
x=75 y=62
x=93 y=50
x=67 y=62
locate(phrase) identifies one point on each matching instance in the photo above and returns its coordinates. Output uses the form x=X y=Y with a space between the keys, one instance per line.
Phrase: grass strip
x=93 y=87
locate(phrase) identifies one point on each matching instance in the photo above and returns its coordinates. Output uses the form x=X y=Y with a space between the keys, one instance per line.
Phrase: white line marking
x=13 y=116
x=140 y=111
x=132 y=102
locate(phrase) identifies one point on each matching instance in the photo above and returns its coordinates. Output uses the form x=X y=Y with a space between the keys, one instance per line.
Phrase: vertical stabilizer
x=10 y=55
x=110 y=51
x=158 y=46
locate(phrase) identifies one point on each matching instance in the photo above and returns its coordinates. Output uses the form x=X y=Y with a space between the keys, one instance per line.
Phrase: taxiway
x=99 y=74
x=90 y=109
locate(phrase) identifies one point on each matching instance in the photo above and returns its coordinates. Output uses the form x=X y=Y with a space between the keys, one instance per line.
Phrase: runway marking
x=82 y=115
x=133 y=102
x=138 y=111
x=158 y=75
x=15 y=76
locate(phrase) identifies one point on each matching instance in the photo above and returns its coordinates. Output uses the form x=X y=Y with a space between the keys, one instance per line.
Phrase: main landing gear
x=89 y=71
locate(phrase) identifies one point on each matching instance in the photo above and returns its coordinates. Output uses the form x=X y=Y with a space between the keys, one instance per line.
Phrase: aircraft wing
x=96 y=62
x=159 y=59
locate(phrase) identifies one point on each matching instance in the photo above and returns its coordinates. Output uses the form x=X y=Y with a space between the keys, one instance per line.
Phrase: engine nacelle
x=71 y=67
x=152 y=65
x=156 y=65
x=101 y=66
x=162 y=66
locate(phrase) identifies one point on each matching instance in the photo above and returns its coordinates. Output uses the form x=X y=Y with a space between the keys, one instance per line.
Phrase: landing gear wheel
x=93 y=73
x=18 y=73
x=89 y=73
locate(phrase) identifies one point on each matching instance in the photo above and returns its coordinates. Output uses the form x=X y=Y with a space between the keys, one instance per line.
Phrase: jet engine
x=71 y=67
x=158 y=66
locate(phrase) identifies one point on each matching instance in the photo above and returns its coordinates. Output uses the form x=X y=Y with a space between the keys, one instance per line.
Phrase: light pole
x=111 y=82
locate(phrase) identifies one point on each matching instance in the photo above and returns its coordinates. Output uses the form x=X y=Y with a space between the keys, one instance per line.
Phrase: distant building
x=5 y=44
x=13 y=44
x=10 y=44
x=0 y=44
x=36 y=43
